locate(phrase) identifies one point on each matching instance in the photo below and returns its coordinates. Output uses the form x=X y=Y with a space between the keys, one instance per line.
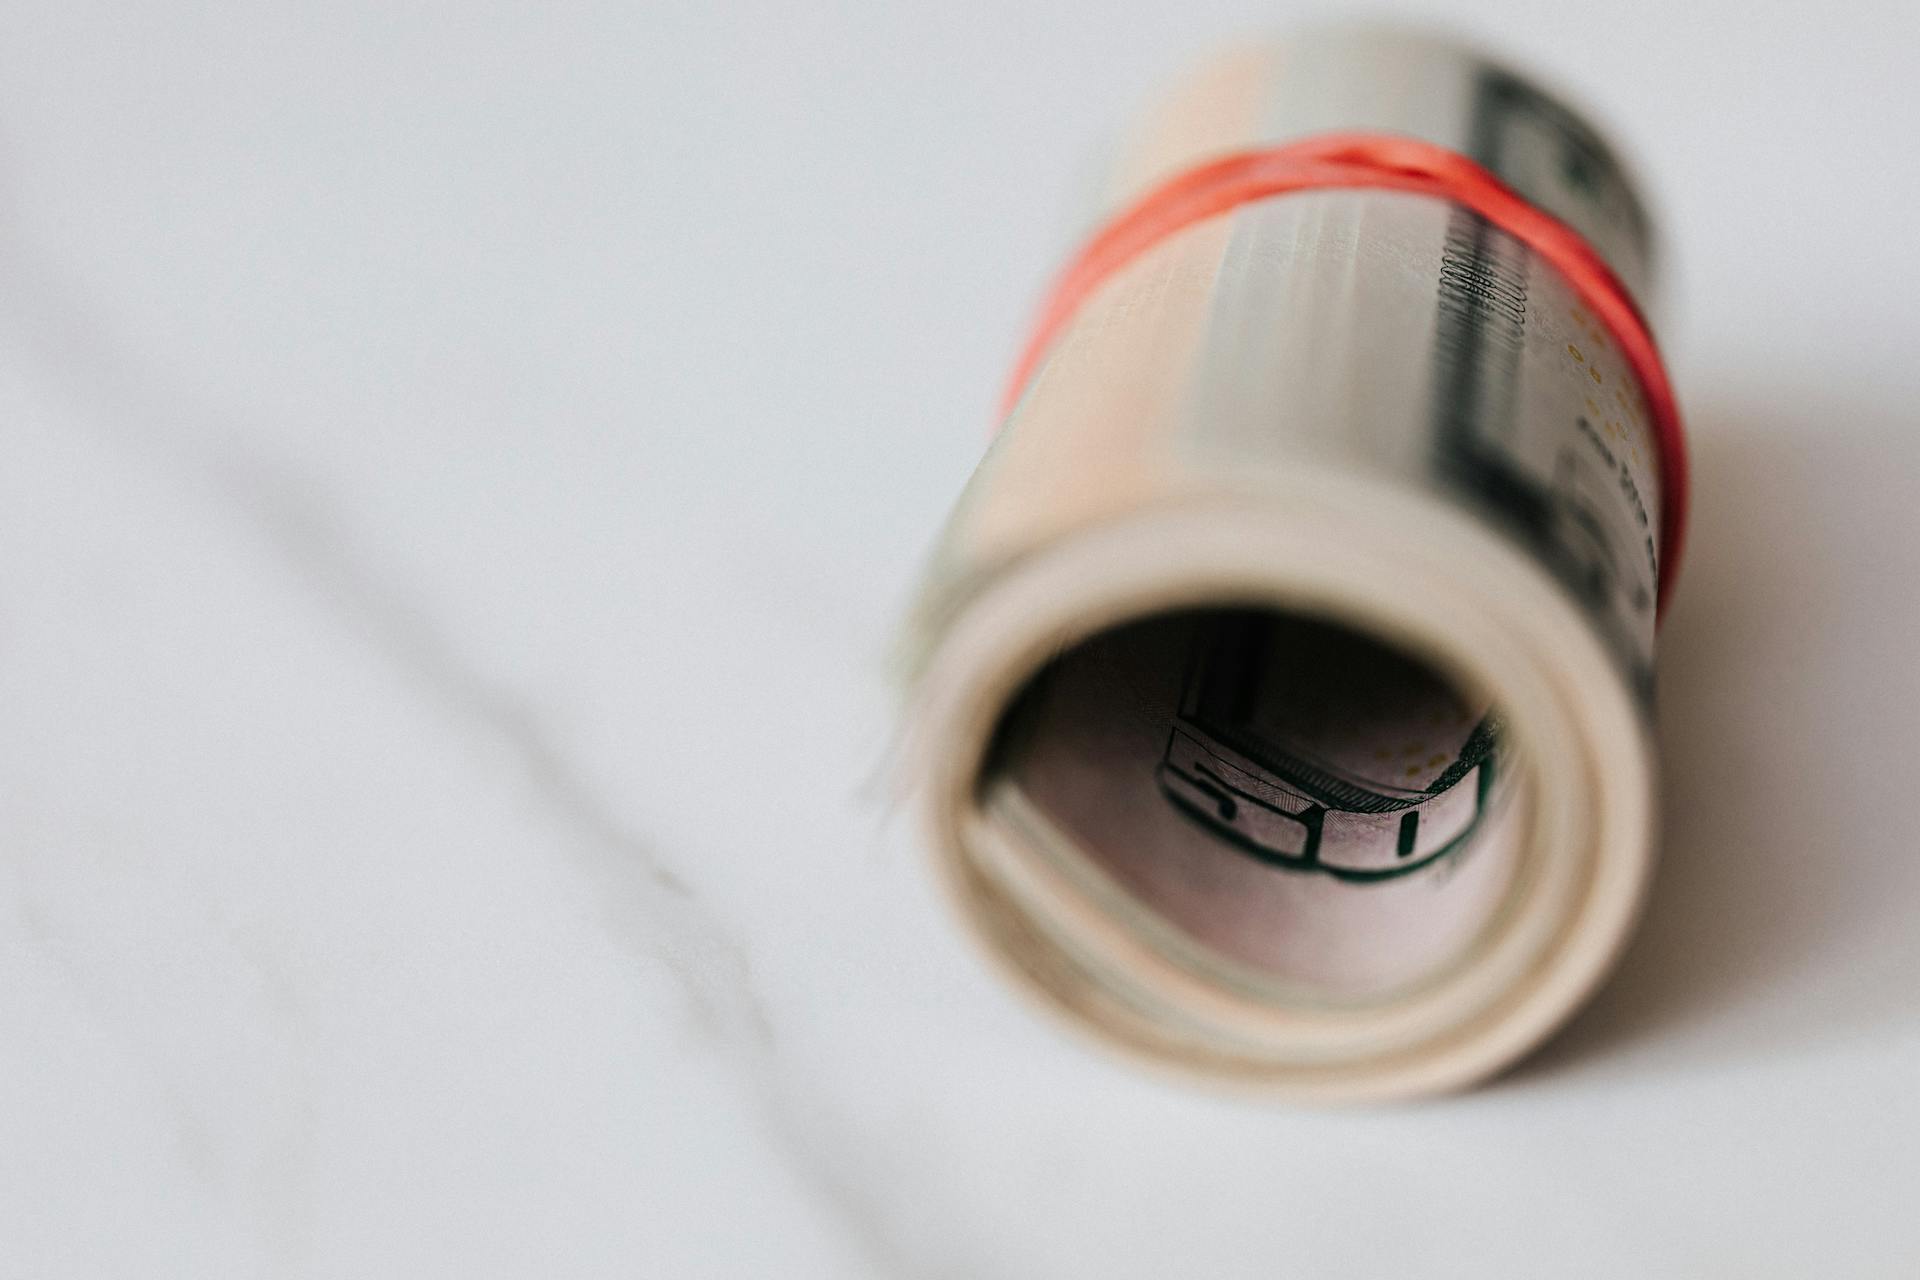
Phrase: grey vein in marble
x=649 y=909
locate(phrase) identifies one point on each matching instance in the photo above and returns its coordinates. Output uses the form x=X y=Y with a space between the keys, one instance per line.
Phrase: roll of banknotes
x=1278 y=689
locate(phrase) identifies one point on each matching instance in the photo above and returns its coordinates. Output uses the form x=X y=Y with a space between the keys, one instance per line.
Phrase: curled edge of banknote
x=1339 y=548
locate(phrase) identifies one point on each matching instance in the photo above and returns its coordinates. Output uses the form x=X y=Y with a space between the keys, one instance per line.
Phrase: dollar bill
x=1278 y=688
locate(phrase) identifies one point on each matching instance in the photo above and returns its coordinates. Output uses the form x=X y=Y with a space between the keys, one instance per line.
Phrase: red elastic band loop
x=1396 y=164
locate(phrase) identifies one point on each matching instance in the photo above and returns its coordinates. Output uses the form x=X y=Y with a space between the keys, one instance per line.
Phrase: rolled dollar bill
x=1278 y=690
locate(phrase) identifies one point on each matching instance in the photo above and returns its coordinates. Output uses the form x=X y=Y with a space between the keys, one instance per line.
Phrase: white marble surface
x=458 y=465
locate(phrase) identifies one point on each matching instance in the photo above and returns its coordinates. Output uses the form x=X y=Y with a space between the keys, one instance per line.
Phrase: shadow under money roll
x=1279 y=686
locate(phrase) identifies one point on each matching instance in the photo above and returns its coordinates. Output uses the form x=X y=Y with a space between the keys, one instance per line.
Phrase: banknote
x=1277 y=692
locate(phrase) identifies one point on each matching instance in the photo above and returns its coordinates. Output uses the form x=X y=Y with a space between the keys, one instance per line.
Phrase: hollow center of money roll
x=1296 y=797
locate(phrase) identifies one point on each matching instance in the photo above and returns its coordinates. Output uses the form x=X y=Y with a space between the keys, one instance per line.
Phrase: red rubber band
x=1396 y=164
